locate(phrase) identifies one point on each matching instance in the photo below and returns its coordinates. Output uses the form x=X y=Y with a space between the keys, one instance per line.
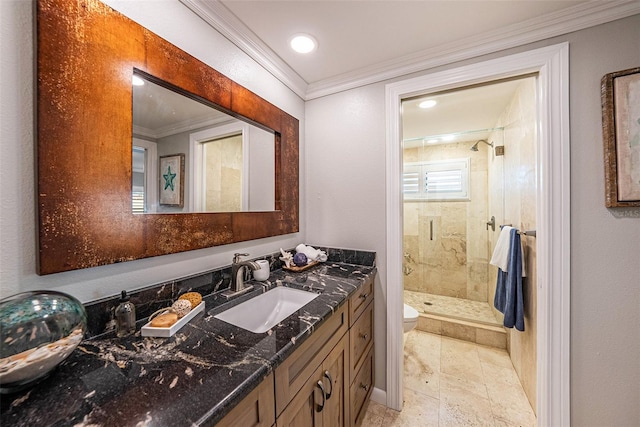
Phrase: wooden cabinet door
x=255 y=410
x=335 y=377
x=304 y=410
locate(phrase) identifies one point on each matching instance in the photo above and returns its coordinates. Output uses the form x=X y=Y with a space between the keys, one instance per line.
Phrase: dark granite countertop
x=193 y=378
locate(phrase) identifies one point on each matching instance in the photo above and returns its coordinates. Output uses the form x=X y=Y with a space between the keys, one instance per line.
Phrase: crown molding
x=579 y=17
x=184 y=126
x=568 y=20
x=226 y=23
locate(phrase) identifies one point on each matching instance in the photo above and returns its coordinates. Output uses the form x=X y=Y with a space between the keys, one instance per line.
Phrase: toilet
x=410 y=319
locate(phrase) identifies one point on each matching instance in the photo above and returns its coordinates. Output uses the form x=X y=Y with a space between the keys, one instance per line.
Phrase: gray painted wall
x=345 y=205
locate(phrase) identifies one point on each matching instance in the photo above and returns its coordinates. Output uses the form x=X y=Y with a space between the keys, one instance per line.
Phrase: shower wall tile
x=454 y=284
x=432 y=280
x=443 y=257
x=411 y=215
x=477 y=279
x=491 y=338
x=515 y=204
x=454 y=219
x=428 y=324
x=412 y=270
x=477 y=240
x=454 y=252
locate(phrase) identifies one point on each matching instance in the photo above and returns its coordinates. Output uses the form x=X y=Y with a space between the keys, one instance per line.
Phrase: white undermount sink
x=263 y=312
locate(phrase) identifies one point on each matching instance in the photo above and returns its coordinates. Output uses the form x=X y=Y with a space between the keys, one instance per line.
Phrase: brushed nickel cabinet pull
x=327 y=375
x=324 y=397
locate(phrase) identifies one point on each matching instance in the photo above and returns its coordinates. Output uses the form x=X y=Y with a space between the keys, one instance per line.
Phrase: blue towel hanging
x=508 y=299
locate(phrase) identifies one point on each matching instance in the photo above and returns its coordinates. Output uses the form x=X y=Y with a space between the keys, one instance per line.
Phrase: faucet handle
x=236 y=257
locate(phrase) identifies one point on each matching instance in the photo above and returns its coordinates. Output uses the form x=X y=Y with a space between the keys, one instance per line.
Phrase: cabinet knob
x=327 y=375
x=319 y=408
x=364 y=336
x=364 y=296
x=365 y=387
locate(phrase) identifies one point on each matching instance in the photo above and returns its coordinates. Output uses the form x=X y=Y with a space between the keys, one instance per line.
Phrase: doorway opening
x=469 y=167
x=550 y=64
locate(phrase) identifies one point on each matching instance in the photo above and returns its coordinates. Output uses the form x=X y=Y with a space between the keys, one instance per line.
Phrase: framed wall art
x=172 y=180
x=621 y=134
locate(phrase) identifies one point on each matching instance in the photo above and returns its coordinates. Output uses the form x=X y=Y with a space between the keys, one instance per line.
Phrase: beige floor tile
x=419 y=410
x=494 y=356
x=460 y=359
x=374 y=417
x=422 y=363
x=451 y=386
x=465 y=410
x=499 y=422
x=508 y=400
x=469 y=385
x=511 y=404
x=496 y=376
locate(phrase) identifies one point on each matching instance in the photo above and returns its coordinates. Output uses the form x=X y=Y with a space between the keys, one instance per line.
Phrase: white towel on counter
x=500 y=257
x=311 y=253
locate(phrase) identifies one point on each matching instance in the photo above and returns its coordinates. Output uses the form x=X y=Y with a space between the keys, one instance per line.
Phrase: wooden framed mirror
x=86 y=57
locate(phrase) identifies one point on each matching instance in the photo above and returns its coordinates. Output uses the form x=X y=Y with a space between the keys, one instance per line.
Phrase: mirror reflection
x=190 y=157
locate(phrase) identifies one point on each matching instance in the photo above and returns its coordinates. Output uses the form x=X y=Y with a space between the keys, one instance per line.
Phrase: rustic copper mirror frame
x=86 y=54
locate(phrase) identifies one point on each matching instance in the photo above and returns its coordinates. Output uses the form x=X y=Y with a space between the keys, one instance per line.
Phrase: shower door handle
x=492 y=223
x=430 y=229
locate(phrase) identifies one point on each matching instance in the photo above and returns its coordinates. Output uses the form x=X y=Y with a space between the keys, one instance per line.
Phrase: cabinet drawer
x=257 y=409
x=361 y=337
x=292 y=374
x=361 y=389
x=359 y=301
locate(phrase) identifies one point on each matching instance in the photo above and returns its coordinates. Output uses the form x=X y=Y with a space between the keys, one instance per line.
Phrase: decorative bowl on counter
x=38 y=330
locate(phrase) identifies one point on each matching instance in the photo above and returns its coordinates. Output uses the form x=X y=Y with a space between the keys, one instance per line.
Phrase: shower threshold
x=467 y=320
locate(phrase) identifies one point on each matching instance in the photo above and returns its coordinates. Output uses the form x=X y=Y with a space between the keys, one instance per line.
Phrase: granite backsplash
x=100 y=313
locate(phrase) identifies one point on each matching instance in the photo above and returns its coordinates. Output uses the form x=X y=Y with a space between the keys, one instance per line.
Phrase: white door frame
x=196 y=189
x=552 y=217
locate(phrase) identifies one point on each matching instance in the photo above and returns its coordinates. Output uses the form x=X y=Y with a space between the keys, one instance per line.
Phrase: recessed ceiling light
x=137 y=81
x=428 y=103
x=303 y=43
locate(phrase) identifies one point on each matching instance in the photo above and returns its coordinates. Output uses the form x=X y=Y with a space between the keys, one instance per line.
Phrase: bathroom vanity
x=313 y=368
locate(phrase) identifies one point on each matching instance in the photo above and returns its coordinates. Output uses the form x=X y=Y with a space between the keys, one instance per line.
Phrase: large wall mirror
x=185 y=160
x=228 y=163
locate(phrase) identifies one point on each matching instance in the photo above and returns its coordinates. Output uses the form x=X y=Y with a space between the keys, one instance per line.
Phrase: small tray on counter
x=150 y=331
x=297 y=269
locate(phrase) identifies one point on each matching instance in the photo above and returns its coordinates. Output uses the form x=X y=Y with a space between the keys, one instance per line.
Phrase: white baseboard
x=379 y=396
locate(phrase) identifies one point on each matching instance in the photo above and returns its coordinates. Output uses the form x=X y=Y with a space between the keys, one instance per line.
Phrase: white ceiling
x=361 y=42
x=366 y=41
x=467 y=114
x=353 y=35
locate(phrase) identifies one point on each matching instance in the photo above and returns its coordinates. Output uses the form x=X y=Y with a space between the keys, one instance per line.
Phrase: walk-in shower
x=446 y=208
x=456 y=177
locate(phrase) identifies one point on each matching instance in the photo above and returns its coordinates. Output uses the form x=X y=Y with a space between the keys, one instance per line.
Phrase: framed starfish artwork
x=172 y=180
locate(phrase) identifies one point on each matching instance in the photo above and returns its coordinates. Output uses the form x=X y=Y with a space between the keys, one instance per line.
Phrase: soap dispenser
x=125 y=316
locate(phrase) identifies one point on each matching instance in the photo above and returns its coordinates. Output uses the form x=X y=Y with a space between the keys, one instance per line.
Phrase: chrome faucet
x=238 y=270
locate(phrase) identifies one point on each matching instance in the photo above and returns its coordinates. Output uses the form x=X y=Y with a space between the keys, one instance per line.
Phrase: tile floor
x=457 y=308
x=448 y=382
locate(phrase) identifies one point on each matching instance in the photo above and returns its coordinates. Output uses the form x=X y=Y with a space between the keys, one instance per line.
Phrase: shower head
x=475 y=146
